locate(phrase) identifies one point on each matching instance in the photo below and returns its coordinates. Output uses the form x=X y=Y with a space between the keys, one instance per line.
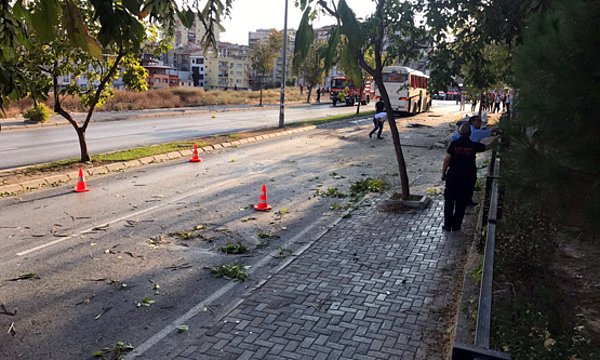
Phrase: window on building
x=200 y=61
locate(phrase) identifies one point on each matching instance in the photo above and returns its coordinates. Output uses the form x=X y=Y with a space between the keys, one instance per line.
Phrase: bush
x=40 y=113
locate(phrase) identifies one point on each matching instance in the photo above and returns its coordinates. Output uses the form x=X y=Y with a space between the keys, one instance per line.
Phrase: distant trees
x=313 y=68
x=263 y=58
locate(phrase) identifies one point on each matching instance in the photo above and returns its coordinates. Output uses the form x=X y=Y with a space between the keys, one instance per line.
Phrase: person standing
x=496 y=103
x=457 y=170
x=462 y=102
x=379 y=119
x=477 y=135
x=507 y=103
x=319 y=94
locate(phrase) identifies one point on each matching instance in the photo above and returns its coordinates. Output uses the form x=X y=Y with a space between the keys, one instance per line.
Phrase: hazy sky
x=249 y=15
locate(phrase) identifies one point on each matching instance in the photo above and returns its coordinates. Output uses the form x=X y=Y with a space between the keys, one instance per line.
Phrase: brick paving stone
x=364 y=290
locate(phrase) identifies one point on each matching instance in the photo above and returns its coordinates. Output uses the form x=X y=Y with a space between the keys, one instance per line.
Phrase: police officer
x=458 y=169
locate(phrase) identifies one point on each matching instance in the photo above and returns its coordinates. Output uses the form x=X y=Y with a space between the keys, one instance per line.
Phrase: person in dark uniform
x=379 y=118
x=458 y=171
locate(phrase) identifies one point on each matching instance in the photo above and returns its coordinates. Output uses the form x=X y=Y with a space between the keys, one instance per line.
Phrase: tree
x=312 y=69
x=390 y=34
x=95 y=38
x=556 y=72
x=263 y=57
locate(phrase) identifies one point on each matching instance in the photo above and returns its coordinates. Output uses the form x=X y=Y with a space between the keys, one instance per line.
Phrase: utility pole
x=282 y=98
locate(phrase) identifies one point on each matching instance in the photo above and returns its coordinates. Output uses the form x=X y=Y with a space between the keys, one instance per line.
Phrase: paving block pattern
x=368 y=289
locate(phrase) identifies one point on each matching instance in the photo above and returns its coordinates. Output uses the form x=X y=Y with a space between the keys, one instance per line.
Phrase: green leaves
x=186 y=17
x=46 y=18
x=77 y=31
x=304 y=38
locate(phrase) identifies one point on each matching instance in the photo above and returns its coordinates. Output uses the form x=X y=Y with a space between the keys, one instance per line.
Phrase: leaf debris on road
x=179 y=267
x=5 y=311
x=104 y=311
x=86 y=301
x=26 y=276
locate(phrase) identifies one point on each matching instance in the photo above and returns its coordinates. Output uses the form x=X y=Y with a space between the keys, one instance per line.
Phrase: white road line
x=137 y=213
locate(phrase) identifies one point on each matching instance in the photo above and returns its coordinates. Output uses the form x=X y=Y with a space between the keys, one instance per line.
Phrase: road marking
x=137 y=213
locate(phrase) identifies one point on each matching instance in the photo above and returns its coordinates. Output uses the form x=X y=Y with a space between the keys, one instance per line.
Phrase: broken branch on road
x=6 y=312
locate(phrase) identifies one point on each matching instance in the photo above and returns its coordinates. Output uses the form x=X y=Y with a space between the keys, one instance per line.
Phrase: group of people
x=459 y=170
x=494 y=102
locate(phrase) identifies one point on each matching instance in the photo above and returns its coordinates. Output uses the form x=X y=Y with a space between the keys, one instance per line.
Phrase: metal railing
x=480 y=350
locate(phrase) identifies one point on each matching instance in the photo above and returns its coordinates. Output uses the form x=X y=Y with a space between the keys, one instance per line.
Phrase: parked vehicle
x=344 y=91
x=407 y=89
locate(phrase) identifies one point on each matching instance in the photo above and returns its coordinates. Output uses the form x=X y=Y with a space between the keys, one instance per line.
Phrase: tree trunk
x=362 y=86
x=260 y=85
x=396 y=138
x=85 y=156
x=309 y=93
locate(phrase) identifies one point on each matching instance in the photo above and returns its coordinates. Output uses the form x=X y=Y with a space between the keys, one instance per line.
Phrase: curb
x=58 y=180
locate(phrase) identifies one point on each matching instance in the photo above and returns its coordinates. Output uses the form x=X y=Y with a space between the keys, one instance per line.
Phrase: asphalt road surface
x=34 y=146
x=121 y=262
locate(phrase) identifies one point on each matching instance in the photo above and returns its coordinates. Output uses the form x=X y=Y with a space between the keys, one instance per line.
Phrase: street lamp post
x=282 y=97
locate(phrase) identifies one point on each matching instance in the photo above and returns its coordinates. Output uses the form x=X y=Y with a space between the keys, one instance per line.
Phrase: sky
x=249 y=15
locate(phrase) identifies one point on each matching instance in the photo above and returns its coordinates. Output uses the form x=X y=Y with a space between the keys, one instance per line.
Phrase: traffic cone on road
x=262 y=201
x=81 y=187
x=195 y=157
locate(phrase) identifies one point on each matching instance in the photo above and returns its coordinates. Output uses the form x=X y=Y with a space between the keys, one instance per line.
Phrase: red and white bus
x=407 y=89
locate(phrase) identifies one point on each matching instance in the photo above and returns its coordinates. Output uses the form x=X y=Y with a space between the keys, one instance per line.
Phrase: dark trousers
x=456 y=195
x=378 y=125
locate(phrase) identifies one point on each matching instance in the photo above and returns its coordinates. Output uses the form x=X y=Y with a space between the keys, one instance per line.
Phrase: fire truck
x=344 y=91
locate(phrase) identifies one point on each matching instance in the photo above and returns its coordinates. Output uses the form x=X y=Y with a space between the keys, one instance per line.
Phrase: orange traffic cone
x=81 y=187
x=262 y=201
x=195 y=157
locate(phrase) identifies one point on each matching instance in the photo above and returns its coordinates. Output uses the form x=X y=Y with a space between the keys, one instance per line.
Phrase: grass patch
x=145 y=151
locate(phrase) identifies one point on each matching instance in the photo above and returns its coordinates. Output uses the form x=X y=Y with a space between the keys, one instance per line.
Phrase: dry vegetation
x=168 y=98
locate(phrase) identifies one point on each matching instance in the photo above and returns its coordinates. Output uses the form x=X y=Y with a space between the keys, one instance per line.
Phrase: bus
x=407 y=89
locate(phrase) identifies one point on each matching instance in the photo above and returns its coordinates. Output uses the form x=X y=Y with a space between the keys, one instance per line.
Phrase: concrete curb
x=58 y=180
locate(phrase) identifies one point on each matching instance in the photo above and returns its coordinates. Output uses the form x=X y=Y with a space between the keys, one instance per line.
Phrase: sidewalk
x=378 y=285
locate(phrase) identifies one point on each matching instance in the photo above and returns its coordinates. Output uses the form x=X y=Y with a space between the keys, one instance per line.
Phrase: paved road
x=134 y=227
x=40 y=145
x=33 y=146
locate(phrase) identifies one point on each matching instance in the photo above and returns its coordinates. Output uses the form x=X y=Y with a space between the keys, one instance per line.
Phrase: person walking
x=379 y=119
x=457 y=171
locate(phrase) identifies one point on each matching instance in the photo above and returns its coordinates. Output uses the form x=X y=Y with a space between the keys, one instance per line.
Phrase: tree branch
x=102 y=85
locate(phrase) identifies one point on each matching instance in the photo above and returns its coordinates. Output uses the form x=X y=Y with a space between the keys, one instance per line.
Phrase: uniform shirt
x=382 y=116
x=476 y=134
x=462 y=156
